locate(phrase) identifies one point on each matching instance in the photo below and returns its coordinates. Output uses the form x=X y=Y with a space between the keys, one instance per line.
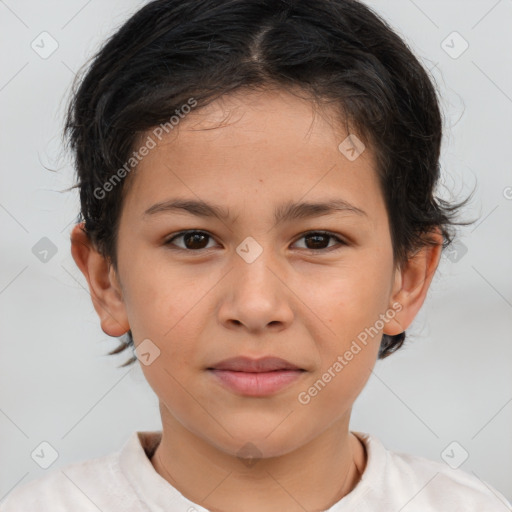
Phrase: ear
x=103 y=283
x=411 y=283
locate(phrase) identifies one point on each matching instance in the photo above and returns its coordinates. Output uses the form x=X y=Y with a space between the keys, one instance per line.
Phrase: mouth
x=248 y=365
x=255 y=377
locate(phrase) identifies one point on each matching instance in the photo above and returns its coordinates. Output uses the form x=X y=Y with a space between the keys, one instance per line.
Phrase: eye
x=317 y=240
x=197 y=240
x=194 y=240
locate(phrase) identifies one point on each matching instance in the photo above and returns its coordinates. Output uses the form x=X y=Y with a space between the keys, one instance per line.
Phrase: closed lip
x=250 y=365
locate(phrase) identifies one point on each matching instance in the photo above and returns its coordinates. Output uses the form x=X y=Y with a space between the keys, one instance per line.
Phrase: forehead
x=255 y=149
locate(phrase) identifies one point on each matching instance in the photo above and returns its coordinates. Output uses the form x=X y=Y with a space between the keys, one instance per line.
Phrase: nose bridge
x=257 y=254
x=255 y=259
x=257 y=294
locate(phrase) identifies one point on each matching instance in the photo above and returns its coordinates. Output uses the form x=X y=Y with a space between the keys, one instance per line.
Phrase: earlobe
x=412 y=282
x=103 y=285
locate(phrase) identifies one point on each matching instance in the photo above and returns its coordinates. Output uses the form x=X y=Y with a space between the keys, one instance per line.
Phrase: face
x=303 y=289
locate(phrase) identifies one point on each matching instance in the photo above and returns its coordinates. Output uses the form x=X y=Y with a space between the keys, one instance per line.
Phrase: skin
x=209 y=304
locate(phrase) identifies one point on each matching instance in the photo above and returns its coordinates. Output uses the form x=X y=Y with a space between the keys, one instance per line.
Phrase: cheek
x=157 y=298
x=173 y=371
x=340 y=384
x=352 y=298
x=333 y=389
x=351 y=306
x=168 y=317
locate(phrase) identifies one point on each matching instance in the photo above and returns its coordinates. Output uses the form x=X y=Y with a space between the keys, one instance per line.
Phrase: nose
x=256 y=295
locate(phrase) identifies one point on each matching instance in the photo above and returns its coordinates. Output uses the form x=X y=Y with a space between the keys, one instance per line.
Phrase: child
x=257 y=128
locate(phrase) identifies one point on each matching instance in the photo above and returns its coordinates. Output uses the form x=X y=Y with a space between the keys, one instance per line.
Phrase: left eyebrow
x=283 y=213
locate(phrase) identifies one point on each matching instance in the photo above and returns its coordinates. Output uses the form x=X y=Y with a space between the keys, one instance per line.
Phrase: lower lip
x=257 y=384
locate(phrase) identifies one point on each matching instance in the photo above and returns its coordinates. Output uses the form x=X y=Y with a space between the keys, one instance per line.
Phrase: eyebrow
x=283 y=213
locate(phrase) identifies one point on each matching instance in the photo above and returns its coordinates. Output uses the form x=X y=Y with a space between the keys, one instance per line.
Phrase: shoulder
x=86 y=486
x=420 y=484
x=444 y=488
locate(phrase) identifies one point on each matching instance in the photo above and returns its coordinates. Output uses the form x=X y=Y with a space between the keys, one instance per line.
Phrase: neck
x=312 y=477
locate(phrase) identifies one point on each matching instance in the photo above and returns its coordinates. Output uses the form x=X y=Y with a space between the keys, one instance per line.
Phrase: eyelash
x=340 y=241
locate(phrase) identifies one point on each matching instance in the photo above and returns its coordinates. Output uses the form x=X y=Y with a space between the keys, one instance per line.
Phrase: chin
x=260 y=441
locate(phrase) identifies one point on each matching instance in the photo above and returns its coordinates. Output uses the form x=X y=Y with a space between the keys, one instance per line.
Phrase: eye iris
x=316 y=237
x=195 y=236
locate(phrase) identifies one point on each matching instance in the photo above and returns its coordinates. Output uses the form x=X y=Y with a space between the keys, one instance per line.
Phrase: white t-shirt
x=126 y=481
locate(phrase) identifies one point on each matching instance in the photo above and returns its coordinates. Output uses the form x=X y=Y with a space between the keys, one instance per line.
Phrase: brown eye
x=196 y=241
x=193 y=240
x=319 y=240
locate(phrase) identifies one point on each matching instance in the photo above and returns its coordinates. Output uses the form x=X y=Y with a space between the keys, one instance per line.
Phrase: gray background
x=452 y=382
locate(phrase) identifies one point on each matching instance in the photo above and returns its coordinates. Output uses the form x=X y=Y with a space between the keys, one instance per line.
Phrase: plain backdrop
x=450 y=386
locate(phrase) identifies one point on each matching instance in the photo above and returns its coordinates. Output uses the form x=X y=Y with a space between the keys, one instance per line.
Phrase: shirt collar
x=160 y=496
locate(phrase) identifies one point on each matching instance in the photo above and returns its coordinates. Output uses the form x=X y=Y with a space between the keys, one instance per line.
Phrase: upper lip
x=247 y=364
